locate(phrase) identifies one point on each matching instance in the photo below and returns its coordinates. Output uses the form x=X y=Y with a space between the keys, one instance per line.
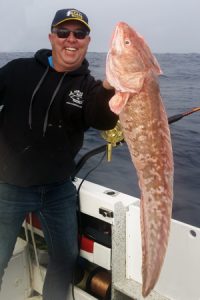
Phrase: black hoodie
x=44 y=116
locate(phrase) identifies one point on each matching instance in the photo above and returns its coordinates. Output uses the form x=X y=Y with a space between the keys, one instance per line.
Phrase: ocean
x=180 y=90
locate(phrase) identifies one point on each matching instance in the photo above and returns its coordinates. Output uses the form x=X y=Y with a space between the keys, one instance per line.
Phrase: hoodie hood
x=42 y=55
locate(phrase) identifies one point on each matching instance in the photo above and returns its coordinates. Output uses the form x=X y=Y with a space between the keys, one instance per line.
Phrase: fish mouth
x=115 y=34
x=118 y=37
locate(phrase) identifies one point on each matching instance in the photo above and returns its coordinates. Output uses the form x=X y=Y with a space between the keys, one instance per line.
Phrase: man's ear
x=50 y=38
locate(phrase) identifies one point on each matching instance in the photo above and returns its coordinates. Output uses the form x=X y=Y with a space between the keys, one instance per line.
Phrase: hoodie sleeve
x=97 y=113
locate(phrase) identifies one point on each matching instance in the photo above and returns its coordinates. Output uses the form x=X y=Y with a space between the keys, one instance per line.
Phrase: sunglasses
x=64 y=33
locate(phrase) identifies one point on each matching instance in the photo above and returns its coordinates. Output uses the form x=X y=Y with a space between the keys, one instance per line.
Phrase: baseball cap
x=63 y=15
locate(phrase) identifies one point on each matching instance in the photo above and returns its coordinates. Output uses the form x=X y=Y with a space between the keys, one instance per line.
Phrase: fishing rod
x=103 y=148
x=176 y=118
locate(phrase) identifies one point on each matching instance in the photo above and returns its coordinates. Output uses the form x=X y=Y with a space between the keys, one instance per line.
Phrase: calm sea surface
x=180 y=89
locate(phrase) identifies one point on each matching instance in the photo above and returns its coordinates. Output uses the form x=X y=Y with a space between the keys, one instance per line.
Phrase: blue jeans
x=55 y=205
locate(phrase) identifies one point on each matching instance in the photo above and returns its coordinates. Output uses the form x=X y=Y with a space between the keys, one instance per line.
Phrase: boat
x=119 y=212
x=110 y=253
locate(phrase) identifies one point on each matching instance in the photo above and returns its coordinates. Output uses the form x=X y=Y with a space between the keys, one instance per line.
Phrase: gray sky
x=167 y=25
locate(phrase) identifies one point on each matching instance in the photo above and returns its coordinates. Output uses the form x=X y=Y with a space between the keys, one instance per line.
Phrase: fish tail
x=153 y=255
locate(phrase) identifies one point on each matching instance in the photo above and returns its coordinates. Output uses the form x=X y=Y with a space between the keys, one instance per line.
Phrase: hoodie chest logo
x=76 y=98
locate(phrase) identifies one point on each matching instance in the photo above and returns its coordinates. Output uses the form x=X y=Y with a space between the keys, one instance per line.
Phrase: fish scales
x=145 y=127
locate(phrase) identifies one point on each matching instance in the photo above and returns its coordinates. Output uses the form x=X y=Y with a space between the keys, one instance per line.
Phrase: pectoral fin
x=118 y=101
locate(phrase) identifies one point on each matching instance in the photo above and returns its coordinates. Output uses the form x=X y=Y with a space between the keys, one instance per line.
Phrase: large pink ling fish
x=132 y=70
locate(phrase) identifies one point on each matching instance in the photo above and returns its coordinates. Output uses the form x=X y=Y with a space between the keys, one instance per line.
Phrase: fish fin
x=155 y=228
x=155 y=66
x=118 y=101
x=148 y=281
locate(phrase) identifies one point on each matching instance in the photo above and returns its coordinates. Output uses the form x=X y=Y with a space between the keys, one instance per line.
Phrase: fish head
x=129 y=59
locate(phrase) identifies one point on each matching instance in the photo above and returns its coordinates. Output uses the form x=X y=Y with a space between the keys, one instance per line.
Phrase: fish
x=133 y=71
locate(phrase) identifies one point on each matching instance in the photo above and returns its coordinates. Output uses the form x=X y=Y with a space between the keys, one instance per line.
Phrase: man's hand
x=107 y=85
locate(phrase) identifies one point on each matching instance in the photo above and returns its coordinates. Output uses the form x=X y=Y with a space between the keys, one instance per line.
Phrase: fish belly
x=146 y=131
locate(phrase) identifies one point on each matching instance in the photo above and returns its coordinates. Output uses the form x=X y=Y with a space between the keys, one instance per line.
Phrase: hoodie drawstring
x=50 y=103
x=33 y=95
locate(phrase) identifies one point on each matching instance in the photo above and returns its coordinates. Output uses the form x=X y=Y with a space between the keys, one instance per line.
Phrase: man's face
x=68 y=53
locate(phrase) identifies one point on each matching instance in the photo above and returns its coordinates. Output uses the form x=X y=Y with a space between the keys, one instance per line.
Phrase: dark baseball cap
x=68 y=14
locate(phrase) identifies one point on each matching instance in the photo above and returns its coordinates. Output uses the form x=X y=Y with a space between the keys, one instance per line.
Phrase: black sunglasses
x=64 y=33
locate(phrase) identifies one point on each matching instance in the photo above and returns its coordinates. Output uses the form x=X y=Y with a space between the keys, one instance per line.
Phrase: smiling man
x=69 y=39
x=48 y=102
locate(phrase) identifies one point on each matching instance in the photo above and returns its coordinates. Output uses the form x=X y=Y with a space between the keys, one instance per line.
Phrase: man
x=48 y=102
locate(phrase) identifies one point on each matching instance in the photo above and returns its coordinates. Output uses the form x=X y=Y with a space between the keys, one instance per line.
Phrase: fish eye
x=127 y=42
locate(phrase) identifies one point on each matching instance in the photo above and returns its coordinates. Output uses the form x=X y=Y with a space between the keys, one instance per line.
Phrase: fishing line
x=91 y=170
x=78 y=192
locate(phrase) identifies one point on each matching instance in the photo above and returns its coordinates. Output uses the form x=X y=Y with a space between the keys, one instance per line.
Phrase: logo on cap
x=74 y=14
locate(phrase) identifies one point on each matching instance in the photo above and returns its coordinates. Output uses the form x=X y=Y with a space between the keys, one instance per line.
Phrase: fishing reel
x=113 y=137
